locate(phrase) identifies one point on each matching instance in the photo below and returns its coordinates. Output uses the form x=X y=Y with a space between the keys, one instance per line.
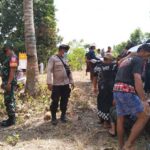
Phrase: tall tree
x=30 y=43
x=136 y=37
x=44 y=21
x=45 y=25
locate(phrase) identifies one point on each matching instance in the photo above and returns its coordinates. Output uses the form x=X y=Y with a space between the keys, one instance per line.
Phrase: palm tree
x=30 y=43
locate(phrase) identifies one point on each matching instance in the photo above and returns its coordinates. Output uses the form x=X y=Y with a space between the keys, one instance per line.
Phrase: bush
x=77 y=59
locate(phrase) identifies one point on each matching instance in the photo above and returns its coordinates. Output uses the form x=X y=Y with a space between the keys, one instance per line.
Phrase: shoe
x=5 y=120
x=9 y=122
x=54 y=119
x=54 y=122
x=63 y=118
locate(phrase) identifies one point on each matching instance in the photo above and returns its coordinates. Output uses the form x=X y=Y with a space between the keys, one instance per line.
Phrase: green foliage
x=77 y=58
x=2 y=105
x=45 y=24
x=13 y=139
x=76 y=44
x=136 y=37
x=147 y=36
x=12 y=26
x=119 y=48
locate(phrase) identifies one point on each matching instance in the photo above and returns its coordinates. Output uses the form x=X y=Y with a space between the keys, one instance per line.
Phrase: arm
x=11 y=77
x=139 y=86
x=49 y=73
x=92 y=55
x=13 y=63
x=95 y=84
x=71 y=80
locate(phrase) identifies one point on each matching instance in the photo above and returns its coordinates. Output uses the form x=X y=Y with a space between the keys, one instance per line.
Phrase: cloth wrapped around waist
x=123 y=87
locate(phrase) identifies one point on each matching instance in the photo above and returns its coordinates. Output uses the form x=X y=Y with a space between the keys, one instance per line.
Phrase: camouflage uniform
x=9 y=98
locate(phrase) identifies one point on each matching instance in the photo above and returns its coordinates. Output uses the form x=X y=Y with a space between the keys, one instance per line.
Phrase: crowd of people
x=118 y=83
x=121 y=99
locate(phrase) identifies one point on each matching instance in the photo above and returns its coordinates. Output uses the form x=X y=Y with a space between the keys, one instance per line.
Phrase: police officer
x=59 y=77
x=8 y=73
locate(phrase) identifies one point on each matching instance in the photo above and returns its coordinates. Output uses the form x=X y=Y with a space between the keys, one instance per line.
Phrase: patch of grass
x=13 y=139
x=20 y=120
x=26 y=104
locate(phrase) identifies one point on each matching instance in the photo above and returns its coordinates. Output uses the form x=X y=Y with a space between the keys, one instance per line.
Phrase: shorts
x=127 y=104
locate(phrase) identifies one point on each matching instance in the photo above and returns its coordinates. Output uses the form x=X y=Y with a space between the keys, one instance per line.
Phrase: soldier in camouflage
x=8 y=73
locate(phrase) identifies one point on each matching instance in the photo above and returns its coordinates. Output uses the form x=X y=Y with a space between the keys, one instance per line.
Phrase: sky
x=103 y=22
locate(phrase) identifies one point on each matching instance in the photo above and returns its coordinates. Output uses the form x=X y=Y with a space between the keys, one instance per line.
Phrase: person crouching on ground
x=104 y=73
x=129 y=95
x=62 y=78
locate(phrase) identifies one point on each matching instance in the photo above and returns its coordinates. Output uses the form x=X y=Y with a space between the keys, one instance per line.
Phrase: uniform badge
x=13 y=62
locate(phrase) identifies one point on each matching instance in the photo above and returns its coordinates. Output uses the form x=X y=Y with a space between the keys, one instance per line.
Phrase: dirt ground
x=82 y=132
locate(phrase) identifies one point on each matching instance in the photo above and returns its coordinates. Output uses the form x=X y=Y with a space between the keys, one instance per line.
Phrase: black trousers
x=60 y=94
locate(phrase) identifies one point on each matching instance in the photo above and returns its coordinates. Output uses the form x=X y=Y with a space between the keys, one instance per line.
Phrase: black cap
x=64 y=46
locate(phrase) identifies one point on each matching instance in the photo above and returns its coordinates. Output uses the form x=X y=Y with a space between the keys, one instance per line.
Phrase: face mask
x=65 y=55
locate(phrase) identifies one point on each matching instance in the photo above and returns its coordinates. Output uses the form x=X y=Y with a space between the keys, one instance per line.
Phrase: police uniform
x=60 y=77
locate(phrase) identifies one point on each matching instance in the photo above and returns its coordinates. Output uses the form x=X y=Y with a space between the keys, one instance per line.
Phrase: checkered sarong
x=103 y=115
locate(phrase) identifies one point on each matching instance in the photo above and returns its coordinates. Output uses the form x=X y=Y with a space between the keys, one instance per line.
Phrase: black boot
x=63 y=117
x=5 y=120
x=54 y=119
x=9 y=122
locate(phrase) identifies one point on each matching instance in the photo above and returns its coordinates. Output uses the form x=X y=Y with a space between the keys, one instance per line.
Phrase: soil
x=82 y=132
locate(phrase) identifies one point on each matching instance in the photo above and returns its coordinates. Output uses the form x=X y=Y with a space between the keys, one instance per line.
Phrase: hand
x=72 y=86
x=145 y=104
x=146 y=107
x=50 y=87
x=95 y=90
x=2 y=86
x=114 y=103
x=8 y=87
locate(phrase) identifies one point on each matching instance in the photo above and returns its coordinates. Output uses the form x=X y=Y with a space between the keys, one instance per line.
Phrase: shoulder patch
x=13 y=61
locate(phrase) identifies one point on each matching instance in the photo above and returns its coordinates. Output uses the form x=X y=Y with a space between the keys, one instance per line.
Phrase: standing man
x=104 y=76
x=9 y=68
x=91 y=58
x=129 y=95
x=59 y=86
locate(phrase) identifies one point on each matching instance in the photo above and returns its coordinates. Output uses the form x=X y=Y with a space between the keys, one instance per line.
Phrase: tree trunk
x=30 y=43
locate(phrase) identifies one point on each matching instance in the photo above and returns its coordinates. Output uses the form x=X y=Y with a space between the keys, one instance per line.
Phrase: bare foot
x=111 y=132
x=129 y=147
